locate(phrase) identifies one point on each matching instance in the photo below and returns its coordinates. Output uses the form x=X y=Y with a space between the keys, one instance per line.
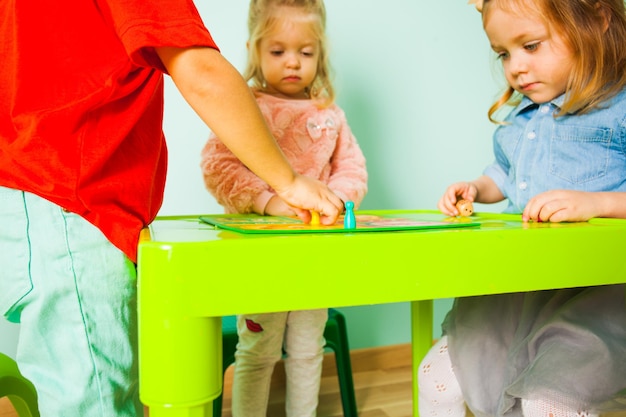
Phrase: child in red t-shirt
x=82 y=171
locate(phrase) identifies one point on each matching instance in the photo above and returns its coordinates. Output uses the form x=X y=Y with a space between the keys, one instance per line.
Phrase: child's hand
x=457 y=191
x=277 y=207
x=307 y=194
x=563 y=206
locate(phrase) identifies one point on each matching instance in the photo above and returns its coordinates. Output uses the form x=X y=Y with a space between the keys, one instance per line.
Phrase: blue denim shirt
x=536 y=152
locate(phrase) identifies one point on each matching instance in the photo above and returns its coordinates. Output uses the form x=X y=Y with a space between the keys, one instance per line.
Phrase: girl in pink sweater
x=289 y=71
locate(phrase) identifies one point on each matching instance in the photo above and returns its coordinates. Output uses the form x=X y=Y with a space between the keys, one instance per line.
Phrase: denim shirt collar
x=527 y=104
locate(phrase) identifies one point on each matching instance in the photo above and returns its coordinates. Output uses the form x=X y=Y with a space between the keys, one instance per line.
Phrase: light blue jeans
x=74 y=294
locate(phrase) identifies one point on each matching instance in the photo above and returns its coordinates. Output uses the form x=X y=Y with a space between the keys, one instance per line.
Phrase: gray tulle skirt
x=556 y=345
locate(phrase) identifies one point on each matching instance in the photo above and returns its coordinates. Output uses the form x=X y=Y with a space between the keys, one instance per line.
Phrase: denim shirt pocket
x=579 y=154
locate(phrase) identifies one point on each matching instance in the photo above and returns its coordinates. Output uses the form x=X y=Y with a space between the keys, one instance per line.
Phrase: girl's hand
x=458 y=191
x=305 y=194
x=563 y=206
x=277 y=207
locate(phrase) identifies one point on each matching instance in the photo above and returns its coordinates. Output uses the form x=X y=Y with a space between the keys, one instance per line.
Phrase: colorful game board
x=252 y=223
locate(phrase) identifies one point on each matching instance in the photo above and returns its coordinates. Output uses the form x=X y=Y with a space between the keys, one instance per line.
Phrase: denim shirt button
x=531 y=135
x=545 y=108
x=523 y=185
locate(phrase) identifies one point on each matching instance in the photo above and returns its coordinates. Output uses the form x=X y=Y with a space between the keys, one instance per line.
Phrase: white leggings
x=262 y=338
x=440 y=393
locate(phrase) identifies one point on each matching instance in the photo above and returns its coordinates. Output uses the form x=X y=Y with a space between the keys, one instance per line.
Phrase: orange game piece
x=465 y=208
x=315 y=218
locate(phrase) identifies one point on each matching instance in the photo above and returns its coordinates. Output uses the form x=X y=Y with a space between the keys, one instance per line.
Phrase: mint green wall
x=415 y=79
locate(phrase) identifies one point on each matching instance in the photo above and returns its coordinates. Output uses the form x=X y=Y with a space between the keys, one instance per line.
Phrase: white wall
x=415 y=80
x=8 y=337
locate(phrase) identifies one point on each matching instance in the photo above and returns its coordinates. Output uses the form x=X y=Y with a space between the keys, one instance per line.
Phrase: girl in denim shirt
x=560 y=155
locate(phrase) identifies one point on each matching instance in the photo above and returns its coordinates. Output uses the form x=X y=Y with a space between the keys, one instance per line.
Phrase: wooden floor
x=382 y=379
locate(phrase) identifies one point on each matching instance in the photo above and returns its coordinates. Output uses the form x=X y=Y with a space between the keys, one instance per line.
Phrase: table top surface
x=207 y=271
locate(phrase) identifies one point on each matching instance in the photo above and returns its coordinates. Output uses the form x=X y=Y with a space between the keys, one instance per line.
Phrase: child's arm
x=233 y=185
x=481 y=190
x=570 y=206
x=348 y=178
x=276 y=206
x=222 y=99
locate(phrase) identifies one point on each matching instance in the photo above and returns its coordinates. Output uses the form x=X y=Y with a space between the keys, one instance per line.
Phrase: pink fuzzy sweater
x=317 y=142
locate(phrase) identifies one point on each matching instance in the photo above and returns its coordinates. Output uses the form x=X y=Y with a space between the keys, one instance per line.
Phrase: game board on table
x=365 y=222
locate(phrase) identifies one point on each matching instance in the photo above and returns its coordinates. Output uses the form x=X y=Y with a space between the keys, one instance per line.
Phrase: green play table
x=191 y=274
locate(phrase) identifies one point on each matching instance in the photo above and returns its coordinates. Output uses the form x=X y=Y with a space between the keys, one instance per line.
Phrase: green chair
x=336 y=335
x=18 y=389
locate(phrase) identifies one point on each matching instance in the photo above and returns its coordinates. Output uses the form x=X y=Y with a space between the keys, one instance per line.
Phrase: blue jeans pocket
x=15 y=282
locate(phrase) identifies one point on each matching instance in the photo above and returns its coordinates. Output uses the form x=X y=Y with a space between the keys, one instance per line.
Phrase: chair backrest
x=17 y=388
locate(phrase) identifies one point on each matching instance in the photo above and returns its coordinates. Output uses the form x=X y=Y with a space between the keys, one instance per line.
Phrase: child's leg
x=258 y=350
x=304 y=344
x=547 y=408
x=439 y=391
x=75 y=296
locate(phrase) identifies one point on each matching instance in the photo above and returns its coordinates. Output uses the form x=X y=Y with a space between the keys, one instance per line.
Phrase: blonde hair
x=595 y=33
x=261 y=18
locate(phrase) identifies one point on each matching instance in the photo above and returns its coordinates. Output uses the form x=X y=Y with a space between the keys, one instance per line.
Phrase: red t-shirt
x=81 y=105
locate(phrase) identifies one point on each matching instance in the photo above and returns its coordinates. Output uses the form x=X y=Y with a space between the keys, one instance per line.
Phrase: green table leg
x=421 y=340
x=181 y=377
x=180 y=355
x=205 y=410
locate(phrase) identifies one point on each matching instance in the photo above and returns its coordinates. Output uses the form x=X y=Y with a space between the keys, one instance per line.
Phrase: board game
x=253 y=223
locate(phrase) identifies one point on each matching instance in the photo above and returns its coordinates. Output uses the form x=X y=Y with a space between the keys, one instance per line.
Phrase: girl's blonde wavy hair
x=262 y=17
x=595 y=32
